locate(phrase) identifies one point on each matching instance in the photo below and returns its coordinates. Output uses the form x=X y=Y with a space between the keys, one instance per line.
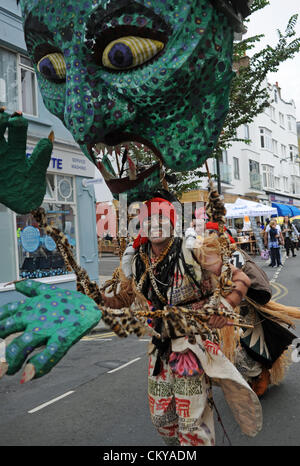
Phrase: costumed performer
x=164 y=272
x=263 y=353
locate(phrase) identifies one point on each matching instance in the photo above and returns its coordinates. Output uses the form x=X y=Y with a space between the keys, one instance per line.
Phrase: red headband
x=156 y=205
x=215 y=226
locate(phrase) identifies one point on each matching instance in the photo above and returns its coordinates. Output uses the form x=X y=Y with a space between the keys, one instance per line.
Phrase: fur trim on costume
x=280 y=367
x=278 y=312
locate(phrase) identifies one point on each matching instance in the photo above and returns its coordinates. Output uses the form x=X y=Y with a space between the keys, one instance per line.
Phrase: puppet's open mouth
x=125 y=160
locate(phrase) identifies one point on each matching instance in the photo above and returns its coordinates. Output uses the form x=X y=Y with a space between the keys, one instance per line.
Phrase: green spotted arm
x=22 y=179
x=50 y=316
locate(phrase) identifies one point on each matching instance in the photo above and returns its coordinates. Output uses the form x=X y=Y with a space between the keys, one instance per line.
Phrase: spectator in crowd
x=190 y=235
x=289 y=232
x=267 y=239
x=274 y=244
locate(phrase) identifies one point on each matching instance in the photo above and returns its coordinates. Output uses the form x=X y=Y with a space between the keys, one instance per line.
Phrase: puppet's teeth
x=99 y=147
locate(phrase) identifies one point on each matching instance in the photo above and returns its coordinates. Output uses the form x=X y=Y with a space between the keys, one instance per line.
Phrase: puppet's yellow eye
x=131 y=51
x=53 y=67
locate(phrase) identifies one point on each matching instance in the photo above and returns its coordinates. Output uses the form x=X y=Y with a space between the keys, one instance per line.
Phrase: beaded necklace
x=149 y=269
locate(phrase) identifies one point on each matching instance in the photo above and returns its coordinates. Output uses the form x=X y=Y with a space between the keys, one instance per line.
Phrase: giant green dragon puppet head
x=156 y=72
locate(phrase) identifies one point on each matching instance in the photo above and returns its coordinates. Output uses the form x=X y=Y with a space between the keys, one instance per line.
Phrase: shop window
x=37 y=252
x=50 y=187
x=65 y=188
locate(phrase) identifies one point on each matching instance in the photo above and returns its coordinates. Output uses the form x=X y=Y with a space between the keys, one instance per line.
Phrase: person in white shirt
x=190 y=235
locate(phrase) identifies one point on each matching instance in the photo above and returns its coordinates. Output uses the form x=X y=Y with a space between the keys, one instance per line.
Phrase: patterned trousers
x=181 y=407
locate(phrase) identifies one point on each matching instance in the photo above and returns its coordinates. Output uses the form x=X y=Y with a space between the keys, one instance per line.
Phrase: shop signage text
x=69 y=164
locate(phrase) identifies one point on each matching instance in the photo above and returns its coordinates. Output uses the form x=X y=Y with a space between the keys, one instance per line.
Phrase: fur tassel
x=279 y=368
x=278 y=312
x=229 y=341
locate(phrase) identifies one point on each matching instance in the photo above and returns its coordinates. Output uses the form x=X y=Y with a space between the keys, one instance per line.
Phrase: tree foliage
x=250 y=94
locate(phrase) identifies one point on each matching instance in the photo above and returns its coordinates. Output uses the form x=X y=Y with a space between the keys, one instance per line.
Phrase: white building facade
x=267 y=169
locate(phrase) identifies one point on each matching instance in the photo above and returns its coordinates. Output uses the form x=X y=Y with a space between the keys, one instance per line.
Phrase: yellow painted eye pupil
x=53 y=66
x=129 y=52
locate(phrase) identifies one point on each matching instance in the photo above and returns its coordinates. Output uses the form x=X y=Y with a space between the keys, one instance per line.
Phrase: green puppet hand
x=53 y=317
x=22 y=179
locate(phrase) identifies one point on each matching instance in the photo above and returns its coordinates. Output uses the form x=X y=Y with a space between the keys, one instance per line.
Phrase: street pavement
x=97 y=394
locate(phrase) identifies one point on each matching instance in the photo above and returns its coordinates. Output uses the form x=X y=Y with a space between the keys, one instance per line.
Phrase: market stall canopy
x=284 y=209
x=242 y=207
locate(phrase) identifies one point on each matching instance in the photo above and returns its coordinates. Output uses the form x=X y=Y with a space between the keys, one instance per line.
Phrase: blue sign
x=49 y=243
x=30 y=238
x=55 y=162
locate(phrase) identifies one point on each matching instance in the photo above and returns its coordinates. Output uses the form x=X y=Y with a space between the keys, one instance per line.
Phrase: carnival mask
x=154 y=72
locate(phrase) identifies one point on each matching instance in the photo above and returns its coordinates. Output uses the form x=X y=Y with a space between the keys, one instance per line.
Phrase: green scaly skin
x=22 y=180
x=175 y=103
x=50 y=316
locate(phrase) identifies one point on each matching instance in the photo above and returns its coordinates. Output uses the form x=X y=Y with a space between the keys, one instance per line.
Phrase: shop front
x=69 y=203
x=286 y=205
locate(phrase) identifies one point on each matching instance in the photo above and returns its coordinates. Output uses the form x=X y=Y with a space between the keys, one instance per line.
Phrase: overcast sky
x=267 y=21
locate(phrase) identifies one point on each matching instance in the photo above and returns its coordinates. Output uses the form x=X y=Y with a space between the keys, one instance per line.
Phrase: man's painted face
x=151 y=71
